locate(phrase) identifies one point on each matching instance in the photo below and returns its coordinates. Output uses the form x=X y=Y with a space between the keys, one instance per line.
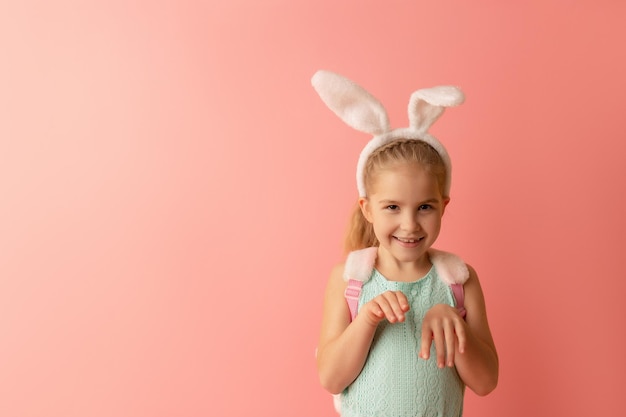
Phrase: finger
x=385 y=303
x=450 y=342
x=378 y=312
x=461 y=335
x=400 y=305
x=396 y=302
x=440 y=347
x=372 y=312
x=403 y=301
x=425 y=343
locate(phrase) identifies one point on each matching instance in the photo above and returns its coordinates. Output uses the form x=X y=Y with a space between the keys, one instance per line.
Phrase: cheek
x=436 y=222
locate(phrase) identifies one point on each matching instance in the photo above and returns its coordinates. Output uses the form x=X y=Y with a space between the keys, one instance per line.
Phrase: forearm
x=478 y=366
x=341 y=360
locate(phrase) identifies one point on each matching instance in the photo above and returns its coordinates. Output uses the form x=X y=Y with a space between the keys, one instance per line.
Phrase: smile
x=403 y=240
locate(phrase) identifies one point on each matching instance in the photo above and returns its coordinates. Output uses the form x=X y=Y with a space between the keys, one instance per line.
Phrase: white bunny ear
x=351 y=102
x=426 y=105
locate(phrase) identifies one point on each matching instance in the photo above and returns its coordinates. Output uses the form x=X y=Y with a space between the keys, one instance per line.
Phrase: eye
x=425 y=207
x=392 y=207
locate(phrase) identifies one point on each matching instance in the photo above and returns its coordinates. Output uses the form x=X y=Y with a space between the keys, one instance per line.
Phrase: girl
x=408 y=351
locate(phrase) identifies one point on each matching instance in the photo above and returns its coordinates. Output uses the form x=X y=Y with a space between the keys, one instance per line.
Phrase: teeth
x=407 y=240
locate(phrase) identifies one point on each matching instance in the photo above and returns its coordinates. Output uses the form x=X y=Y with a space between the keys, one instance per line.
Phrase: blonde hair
x=360 y=232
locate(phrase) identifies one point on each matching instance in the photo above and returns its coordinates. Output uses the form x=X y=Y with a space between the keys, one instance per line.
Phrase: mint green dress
x=394 y=382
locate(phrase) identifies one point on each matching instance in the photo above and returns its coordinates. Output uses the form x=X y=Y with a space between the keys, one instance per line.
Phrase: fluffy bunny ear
x=426 y=105
x=351 y=102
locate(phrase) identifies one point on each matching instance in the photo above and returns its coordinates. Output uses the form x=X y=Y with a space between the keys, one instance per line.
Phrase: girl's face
x=405 y=207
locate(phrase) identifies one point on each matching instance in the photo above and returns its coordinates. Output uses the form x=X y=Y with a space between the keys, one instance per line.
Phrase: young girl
x=408 y=351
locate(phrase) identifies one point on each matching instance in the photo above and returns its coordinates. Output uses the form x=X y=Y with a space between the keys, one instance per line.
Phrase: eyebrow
x=428 y=201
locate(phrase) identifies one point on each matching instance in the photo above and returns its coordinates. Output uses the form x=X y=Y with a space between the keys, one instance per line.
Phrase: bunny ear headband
x=362 y=111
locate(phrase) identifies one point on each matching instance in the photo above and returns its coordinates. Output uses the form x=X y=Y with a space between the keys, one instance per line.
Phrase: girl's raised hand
x=443 y=324
x=390 y=305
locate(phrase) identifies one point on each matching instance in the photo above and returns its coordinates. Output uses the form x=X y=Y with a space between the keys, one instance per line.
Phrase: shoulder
x=450 y=267
x=358 y=266
x=472 y=283
x=474 y=298
x=472 y=278
x=336 y=283
x=472 y=271
x=337 y=272
x=335 y=307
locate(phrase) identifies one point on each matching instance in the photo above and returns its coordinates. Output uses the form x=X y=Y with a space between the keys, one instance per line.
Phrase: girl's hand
x=443 y=324
x=390 y=305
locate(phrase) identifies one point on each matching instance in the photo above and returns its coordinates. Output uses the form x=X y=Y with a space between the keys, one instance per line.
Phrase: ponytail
x=360 y=233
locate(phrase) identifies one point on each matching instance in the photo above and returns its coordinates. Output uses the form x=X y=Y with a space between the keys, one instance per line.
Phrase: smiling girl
x=409 y=351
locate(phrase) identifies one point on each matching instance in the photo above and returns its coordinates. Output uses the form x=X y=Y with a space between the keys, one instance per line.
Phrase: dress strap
x=459 y=296
x=352 y=294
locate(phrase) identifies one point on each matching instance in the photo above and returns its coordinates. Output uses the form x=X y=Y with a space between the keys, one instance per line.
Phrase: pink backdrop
x=174 y=195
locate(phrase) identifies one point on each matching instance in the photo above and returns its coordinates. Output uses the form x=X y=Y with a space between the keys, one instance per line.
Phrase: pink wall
x=174 y=195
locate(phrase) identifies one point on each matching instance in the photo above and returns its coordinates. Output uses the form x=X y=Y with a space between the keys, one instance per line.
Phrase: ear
x=365 y=207
x=446 y=200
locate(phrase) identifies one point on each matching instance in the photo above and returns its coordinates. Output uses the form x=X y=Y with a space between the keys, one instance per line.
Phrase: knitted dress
x=394 y=382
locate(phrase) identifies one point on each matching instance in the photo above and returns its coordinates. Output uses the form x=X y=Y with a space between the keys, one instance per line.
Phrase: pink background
x=174 y=195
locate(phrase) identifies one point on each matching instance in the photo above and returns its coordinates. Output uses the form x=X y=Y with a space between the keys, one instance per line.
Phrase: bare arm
x=478 y=364
x=468 y=343
x=343 y=346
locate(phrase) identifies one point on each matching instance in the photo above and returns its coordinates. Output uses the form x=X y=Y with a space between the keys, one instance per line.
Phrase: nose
x=410 y=223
